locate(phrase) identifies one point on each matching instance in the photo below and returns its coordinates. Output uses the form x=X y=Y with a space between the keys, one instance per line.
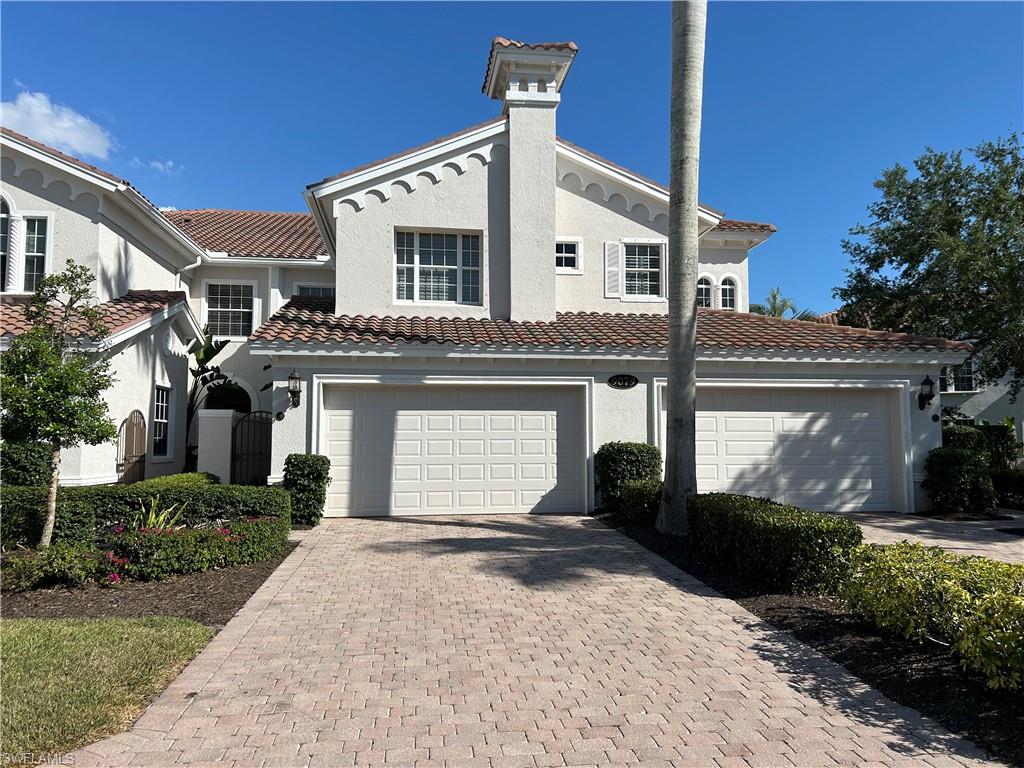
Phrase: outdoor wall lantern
x=924 y=397
x=295 y=388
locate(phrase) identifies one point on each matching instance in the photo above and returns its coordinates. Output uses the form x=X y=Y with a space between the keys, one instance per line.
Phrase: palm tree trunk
x=689 y=20
x=51 y=498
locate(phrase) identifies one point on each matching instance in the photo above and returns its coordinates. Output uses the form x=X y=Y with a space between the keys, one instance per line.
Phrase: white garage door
x=818 y=449
x=412 y=450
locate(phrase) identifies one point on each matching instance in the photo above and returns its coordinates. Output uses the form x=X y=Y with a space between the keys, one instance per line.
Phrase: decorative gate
x=131 y=448
x=250 y=448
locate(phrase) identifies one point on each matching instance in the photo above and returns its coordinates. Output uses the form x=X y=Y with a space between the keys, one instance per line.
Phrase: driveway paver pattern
x=510 y=641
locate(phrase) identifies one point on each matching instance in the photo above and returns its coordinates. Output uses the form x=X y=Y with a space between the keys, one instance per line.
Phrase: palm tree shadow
x=532 y=553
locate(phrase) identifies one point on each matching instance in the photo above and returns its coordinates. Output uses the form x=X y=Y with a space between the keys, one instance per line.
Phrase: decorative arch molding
x=583 y=180
x=412 y=179
x=48 y=176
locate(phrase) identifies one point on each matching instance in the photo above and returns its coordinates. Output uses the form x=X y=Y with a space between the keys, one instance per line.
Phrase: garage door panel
x=454 y=449
x=828 y=449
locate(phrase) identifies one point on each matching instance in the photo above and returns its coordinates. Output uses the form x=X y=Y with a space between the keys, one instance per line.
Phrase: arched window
x=704 y=292
x=5 y=230
x=729 y=294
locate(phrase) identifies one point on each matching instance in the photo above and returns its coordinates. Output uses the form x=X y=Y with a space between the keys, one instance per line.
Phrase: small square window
x=567 y=257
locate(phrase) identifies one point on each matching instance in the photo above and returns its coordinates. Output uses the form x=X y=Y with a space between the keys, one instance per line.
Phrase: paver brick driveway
x=510 y=641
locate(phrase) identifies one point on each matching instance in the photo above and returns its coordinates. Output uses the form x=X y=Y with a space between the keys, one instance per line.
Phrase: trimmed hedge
x=60 y=565
x=89 y=513
x=997 y=441
x=306 y=477
x=640 y=500
x=963 y=436
x=154 y=554
x=25 y=463
x=775 y=546
x=615 y=463
x=973 y=603
x=959 y=481
x=1009 y=487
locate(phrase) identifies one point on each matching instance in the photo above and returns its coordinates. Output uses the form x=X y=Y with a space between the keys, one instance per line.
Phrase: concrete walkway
x=510 y=641
x=964 y=537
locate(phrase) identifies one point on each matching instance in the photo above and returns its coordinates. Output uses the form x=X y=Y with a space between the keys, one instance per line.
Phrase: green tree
x=943 y=255
x=689 y=25
x=777 y=305
x=53 y=375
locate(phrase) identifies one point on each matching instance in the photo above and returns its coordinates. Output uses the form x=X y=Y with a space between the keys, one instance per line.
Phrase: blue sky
x=241 y=105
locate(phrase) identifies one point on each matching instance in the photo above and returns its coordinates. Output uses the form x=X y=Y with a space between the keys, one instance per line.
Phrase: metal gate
x=131 y=448
x=250 y=448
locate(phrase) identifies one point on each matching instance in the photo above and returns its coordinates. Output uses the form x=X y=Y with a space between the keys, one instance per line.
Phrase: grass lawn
x=69 y=682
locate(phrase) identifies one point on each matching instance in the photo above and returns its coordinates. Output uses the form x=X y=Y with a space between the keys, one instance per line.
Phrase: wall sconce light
x=927 y=393
x=295 y=388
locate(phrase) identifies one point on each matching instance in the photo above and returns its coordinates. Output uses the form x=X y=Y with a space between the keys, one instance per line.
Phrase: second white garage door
x=416 y=449
x=824 y=449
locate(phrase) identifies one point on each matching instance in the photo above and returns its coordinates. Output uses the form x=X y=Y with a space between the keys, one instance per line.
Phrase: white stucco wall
x=991 y=404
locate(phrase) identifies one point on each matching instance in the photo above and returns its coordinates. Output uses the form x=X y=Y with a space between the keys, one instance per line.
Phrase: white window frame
x=714 y=287
x=257 y=303
x=416 y=232
x=949 y=374
x=737 y=304
x=662 y=269
x=307 y=284
x=23 y=238
x=578 y=242
x=169 y=424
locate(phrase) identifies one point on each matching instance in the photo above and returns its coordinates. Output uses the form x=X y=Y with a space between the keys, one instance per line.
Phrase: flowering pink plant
x=114 y=578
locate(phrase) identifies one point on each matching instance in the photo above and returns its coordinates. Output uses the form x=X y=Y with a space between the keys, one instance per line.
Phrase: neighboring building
x=970 y=399
x=473 y=318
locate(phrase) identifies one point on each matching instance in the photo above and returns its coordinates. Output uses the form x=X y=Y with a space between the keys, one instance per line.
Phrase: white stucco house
x=471 y=319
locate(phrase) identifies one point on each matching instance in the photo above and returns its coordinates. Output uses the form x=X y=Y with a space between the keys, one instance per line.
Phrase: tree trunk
x=689 y=19
x=51 y=499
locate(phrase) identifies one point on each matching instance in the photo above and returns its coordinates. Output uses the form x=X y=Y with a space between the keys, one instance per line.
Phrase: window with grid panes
x=35 y=251
x=161 y=420
x=229 y=309
x=567 y=257
x=437 y=267
x=643 y=269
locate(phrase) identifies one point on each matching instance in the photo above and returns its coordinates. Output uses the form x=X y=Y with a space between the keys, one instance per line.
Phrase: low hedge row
x=148 y=555
x=89 y=513
x=974 y=604
x=774 y=545
x=639 y=500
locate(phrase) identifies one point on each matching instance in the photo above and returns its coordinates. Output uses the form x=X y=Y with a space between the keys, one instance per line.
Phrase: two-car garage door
x=827 y=449
x=432 y=449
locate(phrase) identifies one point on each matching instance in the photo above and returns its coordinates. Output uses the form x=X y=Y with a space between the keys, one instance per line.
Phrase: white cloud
x=60 y=126
x=167 y=208
x=166 y=166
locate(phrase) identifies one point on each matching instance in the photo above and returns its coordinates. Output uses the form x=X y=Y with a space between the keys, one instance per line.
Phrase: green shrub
x=87 y=513
x=974 y=604
x=614 y=463
x=1001 y=445
x=1009 y=487
x=958 y=481
x=180 y=481
x=965 y=436
x=66 y=565
x=156 y=553
x=640 y=500
x=775 y=546
x=25 y=463
x=306 y=477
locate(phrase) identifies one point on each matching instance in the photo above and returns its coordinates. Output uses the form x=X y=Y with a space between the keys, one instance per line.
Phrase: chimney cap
x=507 y=55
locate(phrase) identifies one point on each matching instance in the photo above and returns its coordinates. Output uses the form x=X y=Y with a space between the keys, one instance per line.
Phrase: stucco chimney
x=528 y=78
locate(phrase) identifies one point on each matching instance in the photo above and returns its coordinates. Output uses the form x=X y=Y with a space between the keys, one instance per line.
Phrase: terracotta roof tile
x=117 y=314
x=311 y=320
x=252 y=233
x=735 y=225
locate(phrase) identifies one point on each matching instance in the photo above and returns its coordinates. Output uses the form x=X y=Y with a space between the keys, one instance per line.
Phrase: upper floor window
x=161 y=422
x=567 y=257
x=704 y=293
x=643 y=268
x=437 y=267
x=230 y=308
x=36 y=235
x=959 y=378
x=728 y=294
x=326 y=291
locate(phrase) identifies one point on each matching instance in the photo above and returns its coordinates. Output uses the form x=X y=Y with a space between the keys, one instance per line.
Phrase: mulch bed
x=211 y=597
x=924 y=677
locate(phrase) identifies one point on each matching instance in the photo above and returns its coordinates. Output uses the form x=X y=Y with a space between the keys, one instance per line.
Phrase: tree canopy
x=777 y=305
x=943 y=255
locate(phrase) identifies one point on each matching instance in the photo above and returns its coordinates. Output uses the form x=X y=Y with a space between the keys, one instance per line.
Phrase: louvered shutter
x=613 y=269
